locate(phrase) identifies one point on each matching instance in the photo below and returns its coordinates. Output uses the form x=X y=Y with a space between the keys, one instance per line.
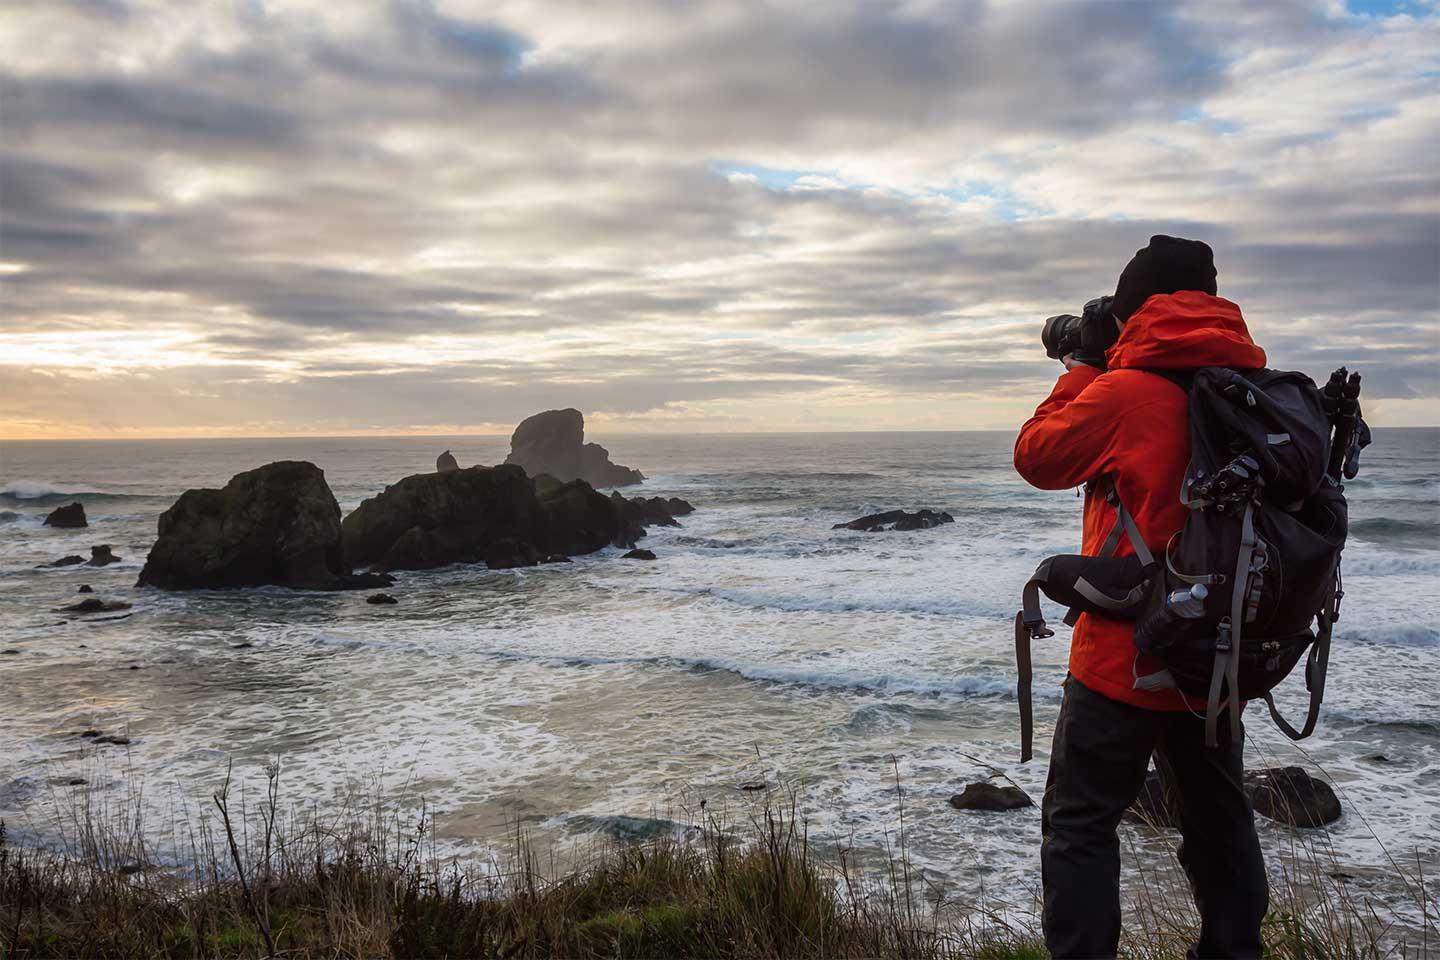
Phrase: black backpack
x=1227 y=609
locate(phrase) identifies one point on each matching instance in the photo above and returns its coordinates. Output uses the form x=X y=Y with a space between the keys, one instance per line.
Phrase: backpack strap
x=1316 y=666
x=1029 y=625
x=1226 y=672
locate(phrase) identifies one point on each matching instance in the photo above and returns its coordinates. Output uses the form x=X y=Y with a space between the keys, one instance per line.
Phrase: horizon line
x=502 y=436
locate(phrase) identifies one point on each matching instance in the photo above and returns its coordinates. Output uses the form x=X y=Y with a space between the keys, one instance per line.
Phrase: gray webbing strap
x=1315 y=667
x=1100 y=598
x=1124 y=523
x=1227 y=640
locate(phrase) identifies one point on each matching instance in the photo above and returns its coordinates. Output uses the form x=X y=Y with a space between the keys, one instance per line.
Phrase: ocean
x=761 y=648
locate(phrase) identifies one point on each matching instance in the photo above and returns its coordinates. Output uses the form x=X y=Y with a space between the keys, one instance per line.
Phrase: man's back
x=1132 y=426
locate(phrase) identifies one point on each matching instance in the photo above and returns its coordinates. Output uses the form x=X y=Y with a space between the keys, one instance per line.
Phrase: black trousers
x=1097 y=767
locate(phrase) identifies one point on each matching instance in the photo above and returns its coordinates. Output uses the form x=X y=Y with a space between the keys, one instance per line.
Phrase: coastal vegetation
x=368 y=879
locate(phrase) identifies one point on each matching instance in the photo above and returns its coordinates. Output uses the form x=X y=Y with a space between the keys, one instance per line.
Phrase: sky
x=291 y=217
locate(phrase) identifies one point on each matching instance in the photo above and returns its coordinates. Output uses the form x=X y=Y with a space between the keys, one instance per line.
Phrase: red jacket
x=1133 y=426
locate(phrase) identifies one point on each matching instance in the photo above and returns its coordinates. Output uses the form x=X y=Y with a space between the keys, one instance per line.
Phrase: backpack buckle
x=1222 y=636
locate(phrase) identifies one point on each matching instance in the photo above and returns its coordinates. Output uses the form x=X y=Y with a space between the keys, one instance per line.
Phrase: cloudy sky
x=312 y=216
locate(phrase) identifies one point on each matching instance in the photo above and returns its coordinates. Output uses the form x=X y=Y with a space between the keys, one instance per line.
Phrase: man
x=1133 y=426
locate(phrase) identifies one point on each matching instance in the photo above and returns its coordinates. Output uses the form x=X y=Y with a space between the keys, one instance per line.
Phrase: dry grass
x=368 y=880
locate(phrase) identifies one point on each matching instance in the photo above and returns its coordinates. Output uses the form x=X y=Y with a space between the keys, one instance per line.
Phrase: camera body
x=1086 y=337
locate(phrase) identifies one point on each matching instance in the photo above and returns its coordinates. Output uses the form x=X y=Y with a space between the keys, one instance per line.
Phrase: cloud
x=307 y=216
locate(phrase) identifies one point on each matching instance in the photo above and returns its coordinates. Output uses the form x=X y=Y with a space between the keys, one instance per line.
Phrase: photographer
x=1110 y=416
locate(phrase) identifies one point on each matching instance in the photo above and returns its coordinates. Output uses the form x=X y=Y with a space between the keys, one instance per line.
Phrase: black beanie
x=1167 y=265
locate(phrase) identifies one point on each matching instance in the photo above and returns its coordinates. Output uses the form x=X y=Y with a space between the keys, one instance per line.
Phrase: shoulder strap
x=1184 y=379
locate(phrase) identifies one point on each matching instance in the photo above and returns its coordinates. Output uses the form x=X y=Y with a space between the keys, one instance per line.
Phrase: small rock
x=117 y=741
x=90 y=734
x=85 y=588
x=1341 y=876
x=242 y=645
x=76 y=782
x=71 y=516
x=101 y=556
x=987 y=796
x=640 y=554
x=755 y=785
x=134 y=666
x=1292 y=796
x=446 y=463
x=9 y=653
x=1376 y=758
x=69 y=561
x=379 y=598
x=94 y=605
x=556 y=558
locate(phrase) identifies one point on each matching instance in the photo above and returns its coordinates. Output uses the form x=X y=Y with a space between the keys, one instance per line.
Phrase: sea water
x=762 y=650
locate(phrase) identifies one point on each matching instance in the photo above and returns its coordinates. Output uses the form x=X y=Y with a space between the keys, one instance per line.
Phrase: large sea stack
x=492 y=515
x=553 y=442
x=277 y=524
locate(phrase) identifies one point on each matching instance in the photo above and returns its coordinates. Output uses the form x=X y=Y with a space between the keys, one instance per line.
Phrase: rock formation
x=71 y=515
x=446 y=463
x=1292 y=796
x=94 y=605
x=68 y=561
x=492 y=515
x=640 y=554
x=897 y=520
x=986 y=796
x=553 y=442
x=100 y=556
x=277 y=524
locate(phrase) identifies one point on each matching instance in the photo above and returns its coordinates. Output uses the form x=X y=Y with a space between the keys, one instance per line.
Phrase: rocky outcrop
x=381 y=599
x=101 y=556
x=492 y=515
x=72 y=560
x=987 y=796
x=1292 y=796
x=446 y=462
x=277 y=524
x=640 y=554
x=69 y=516
x=897 y=520
x=94 y=605
x=661 y=511
x=553 y=442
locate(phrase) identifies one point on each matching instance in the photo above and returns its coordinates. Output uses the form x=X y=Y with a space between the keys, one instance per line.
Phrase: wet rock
x=1156 y=806
x=1290 y=795
x=754 y=786
x=639 y=555
x=69 y=516
x=553 y=442
x=897 y=520
x=381 y=599
x=114 y=741
x=76 y=782
x=85 y=588
x=101 y=556
x=90 y=734
x=242 y=645
x=492 y=515
x=11 y=652
x=987 y=796
x=555 y=558
x=630 y=829
x=71 y=561
x=659 y=511
x=278 y=524
x=446 y=462
x=1376 y=758
x=94 y=605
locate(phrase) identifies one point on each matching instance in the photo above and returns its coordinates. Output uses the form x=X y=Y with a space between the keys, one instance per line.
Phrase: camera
x=1087 y=336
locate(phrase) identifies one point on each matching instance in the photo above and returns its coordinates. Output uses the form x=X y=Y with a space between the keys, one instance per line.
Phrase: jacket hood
x=1185 y=331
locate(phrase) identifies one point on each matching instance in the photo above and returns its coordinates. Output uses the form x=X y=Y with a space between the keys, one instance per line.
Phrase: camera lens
x=1060 y=335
